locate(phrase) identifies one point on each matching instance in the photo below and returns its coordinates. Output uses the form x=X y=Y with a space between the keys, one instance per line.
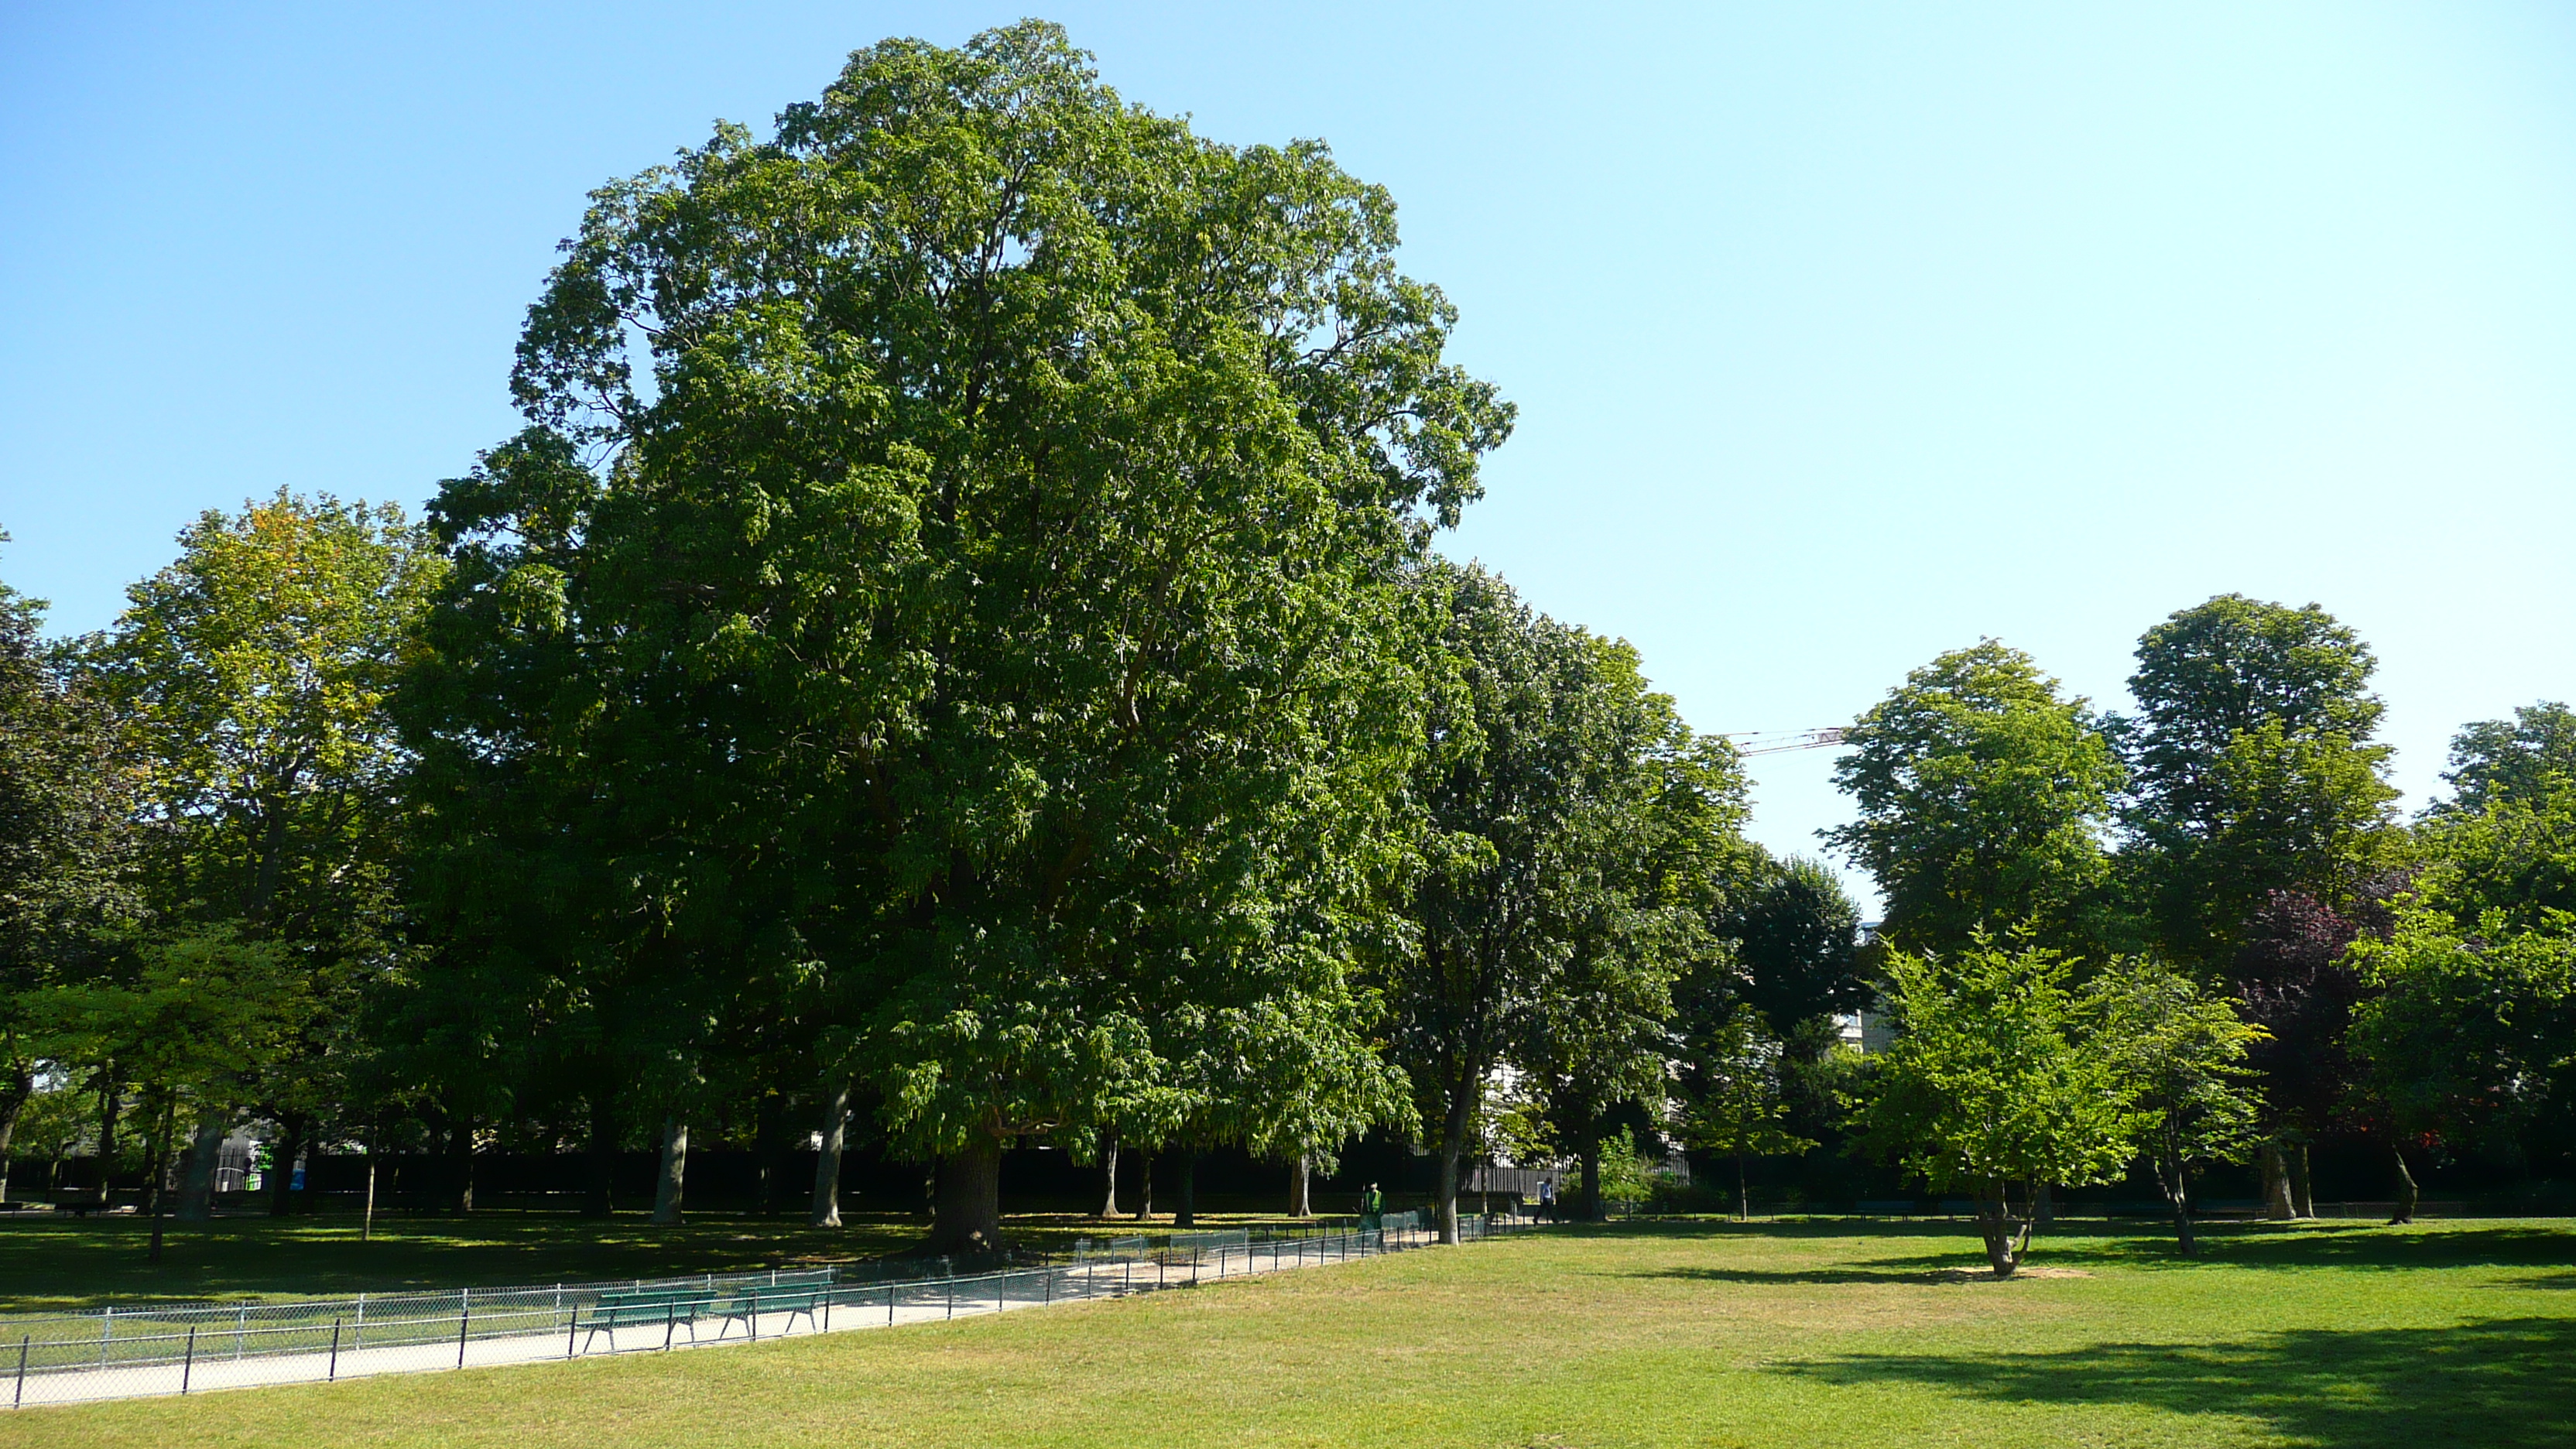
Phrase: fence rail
x=193 y=1347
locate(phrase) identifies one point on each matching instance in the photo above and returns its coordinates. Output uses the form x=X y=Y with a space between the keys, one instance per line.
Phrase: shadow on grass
x=2086 y=1245
x=52 y=1263
x=2500 y=1382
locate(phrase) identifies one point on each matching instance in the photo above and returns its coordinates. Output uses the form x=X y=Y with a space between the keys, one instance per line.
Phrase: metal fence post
x=572 y=1325
x=464 y=1317
x=188 y=1365
x=827 y=1310
x=20 y=1397
x=334 y=1374
x=889 y=1303
x=670 y=1320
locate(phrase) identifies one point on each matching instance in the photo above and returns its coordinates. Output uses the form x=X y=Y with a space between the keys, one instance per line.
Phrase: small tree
x=1741 y=1110
x=203 y=1014
x=1989 y=1086
x=2181 y=1053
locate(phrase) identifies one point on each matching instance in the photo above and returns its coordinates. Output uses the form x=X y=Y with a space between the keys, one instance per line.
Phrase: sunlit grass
x=1656 y=1334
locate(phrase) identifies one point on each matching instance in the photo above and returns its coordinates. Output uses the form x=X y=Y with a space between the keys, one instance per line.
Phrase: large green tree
x=65 y=842
x=251 y=678
x=1570 y=825
x=1005 y=537
x=1982 y=793
x=2251 y=770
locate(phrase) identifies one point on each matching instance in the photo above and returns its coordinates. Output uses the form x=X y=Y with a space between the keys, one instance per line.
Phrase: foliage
x=1019 y=501
x=1796 y=934
x=1628 y=1172
x=2292 y=972
x=2469 y=1035
x=65 y=841
x=203 y=1017
x=251 y=677
x=2528 y=758
x=2180 y=1054
x=1981 y=794
x=2507 y=840
x=2251 y=769
x=1738 y=1103
x=1992 y=1082
x=1551 y=913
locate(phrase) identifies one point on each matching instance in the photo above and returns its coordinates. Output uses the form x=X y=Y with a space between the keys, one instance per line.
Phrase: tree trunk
x=2043 y=1206
x=1453 y=1147
x=2303 y=1199
x=969 y=1216
x=600 y=1198
x=1743 y=1199
x=2405 y=1188
x=156 y=1166
x=2178 y=1191
x=1995 y=1225
x=1108 y=1175
x=675 y=1172
x=2277 y=1205
x=827 y=1162
x=1145 y=1190
x=769 y=1149
x=1188 y=1216
x=281 y=1164
x=197 y=1195
x=1301 y=1200
x=460 y=1151
x=21 y=1085
x=107 y=1105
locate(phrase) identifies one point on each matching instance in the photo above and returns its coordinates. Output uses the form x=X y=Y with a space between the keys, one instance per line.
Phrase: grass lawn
x=1651 y=1334
x=50 y=1262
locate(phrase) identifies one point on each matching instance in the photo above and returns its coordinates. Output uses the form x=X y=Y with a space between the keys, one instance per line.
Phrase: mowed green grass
x=1654 y=1334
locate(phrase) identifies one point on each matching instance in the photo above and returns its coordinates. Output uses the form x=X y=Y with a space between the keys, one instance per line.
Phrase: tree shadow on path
x=2499 y=1382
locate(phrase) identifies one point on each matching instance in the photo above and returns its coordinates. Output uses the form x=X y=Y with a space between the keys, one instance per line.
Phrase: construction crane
x=1772 y=742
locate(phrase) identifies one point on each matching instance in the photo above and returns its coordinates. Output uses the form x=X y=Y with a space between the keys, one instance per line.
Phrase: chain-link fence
x=120 y=1353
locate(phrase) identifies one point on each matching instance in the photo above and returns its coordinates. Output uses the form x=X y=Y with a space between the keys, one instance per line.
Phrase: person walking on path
x=1372 y=1208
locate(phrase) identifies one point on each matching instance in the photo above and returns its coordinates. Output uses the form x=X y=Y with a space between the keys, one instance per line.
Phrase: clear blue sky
x=1842 y=334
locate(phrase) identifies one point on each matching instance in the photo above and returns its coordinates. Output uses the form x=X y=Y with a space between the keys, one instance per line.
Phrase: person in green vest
x=1372 y=1208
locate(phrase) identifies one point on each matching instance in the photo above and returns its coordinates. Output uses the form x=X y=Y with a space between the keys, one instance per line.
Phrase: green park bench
x=747 y=1304
x=663 y=1308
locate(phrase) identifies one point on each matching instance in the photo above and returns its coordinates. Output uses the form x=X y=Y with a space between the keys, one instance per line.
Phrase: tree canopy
x=1982 y=794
